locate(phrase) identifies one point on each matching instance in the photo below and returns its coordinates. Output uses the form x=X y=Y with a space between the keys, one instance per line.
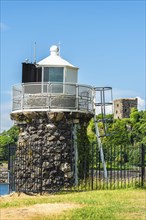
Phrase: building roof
x=55 y=60
x=126 y=99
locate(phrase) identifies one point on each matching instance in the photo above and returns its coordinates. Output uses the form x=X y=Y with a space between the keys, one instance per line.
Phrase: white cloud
x=141 y=103
x=6 y=122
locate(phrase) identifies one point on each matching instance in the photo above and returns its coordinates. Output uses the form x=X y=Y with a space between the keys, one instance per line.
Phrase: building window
x=53 y=74
x=117 y=105
x=116 y=112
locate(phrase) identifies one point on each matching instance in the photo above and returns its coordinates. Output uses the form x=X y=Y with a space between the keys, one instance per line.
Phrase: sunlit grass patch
x=124 y=204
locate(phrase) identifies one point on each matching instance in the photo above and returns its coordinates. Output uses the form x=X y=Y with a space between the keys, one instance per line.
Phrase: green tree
x=6 y=138
x=83 y=151
x=138 y=127
x=127 y=132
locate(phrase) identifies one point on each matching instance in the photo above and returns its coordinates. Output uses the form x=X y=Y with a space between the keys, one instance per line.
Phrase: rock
x=51 y=126
x=45 y=164
x=51 y=138
x=68 y=174
x=30 y=115
x=41 y=127
x=51 y=116
x=56 y=163
x=61 y=138
x=40 y=132
x=40 y=121
x=59 y=116
x=57 y=157
x=64 y=167
x=32 y=175
x=23 y=134
x=26 y=137
x=32 y=128
x=56 y=134
x=58 y=142
x=34 y=137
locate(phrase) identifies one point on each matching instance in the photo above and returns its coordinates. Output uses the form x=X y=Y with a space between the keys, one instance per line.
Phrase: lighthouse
x=52 y=110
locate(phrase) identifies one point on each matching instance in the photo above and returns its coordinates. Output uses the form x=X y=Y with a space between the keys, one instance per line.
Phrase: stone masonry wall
x=45 y=156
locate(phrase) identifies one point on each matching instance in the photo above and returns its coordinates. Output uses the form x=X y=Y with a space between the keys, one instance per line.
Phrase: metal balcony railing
x=53 y=97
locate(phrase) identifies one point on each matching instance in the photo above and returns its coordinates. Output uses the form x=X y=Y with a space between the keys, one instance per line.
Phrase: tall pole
x=34 y=52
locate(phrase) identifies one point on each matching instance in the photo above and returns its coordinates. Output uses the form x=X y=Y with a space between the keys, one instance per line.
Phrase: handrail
x=53 y=95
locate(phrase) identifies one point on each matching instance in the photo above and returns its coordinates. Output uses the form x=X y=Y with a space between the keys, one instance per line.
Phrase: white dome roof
x=54 y=50
x=54 y=59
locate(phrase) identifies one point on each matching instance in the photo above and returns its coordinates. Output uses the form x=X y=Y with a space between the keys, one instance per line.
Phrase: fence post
x=9 y=156
x=142 y=165
x=92 y=171
x=9 y=166
x=41 y=187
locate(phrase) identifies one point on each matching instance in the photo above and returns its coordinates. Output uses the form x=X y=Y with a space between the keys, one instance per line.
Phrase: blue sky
x=105 y=39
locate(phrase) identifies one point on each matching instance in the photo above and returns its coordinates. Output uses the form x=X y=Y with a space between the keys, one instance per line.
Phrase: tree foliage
x=124 y=136
x=127 y=131
x=6 y=138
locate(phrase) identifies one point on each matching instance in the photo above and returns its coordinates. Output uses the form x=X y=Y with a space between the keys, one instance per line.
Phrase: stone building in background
x=122 y=107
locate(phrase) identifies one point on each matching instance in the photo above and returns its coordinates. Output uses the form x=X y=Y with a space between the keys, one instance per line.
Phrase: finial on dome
x=54 y=50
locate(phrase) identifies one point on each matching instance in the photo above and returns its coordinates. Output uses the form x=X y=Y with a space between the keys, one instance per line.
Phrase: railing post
x=9 y=182
x=77 y=97
x=22 y=97
x=48 y=96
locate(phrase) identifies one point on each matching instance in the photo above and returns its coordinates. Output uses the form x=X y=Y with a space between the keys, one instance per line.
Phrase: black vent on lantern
x=30 y=73
x=38 y=74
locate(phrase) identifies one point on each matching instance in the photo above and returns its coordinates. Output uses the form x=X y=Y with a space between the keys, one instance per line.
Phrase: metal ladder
x=100 y=101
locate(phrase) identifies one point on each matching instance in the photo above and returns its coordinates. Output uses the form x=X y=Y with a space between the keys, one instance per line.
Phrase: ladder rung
x=103 y=104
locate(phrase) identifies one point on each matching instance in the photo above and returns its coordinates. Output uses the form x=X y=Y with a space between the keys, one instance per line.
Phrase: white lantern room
x=56 y=69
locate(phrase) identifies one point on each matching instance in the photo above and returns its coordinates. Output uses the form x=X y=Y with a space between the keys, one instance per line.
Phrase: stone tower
x=50 y=107
x=122 y=107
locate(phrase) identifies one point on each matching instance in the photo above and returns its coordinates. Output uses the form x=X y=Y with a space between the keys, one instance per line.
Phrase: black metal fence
x=11 y=166
x=126 y=167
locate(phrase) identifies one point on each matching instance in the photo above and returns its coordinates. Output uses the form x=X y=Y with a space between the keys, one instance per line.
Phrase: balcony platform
x=52 y=97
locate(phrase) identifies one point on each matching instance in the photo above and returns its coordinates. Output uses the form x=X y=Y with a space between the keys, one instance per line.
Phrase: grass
x=124 y=204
